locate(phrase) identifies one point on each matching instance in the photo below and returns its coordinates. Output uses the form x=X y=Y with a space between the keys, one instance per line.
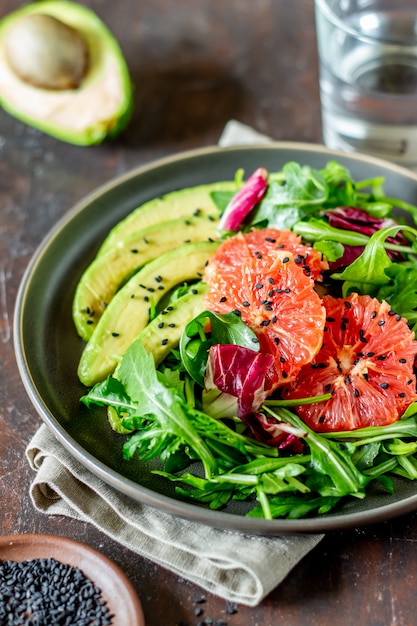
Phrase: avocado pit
x=44 y=52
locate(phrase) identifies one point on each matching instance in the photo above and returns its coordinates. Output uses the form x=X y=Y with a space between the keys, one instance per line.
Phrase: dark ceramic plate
x=48 y=348
x=116 y=589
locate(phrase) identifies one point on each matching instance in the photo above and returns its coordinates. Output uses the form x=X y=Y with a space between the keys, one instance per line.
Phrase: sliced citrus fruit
x=366 y=363
x=274 y=297
x=258 y=242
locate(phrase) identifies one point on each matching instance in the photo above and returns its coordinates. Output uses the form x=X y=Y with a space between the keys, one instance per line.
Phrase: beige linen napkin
x=235 y=566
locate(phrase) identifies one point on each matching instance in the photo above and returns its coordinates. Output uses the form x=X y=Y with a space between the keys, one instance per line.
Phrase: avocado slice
x=164 y=332
x=98 y=108
x=181 y=203
x=129 y=311
x=110 y=270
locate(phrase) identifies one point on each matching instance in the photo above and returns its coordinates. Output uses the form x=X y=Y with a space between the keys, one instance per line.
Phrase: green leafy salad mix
x=291 y=385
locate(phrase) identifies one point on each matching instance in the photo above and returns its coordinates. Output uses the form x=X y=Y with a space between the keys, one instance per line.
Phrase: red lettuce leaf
x=245 y=200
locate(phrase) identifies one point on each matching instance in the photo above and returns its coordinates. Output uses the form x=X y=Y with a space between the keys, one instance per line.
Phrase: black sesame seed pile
x=45 y=592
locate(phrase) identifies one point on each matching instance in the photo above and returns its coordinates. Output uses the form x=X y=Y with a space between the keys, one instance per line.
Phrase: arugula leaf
x=138 y=375
x=368 y=271
x=290 y=196
x=401 y=291
x=315 y=229
x=328 y=459
x=110 y=392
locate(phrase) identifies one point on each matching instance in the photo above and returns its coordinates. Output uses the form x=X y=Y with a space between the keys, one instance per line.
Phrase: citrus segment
x=366 y=363
x=274 y=297
x=261 y=241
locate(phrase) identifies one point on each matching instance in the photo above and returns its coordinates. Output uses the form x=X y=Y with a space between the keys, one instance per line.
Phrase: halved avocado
x=98 y=108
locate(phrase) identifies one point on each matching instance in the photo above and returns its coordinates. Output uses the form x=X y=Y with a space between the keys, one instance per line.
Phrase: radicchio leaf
x=358 y=220
x=245 y=200
x=239 y=373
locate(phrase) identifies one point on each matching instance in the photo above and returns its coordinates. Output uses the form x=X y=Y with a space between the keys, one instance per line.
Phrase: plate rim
x=113 y=478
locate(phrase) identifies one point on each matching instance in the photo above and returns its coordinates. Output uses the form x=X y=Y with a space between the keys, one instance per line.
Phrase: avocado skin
x=129 y=311
x=110 y=270
x=99 y=38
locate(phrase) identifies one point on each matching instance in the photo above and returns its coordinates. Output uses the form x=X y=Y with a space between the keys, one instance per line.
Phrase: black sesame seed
x=370 y=354
x=114 y=334
x=200 y=600
x=403 y=360
x=285 y=259
x=265 y=322
x=381 y=322
x=164 y=342
x=245 y=303
x=384 y=385
x=171 y=325
x=45 y=591
x=223 y=299
x=158 y=279
x=161 y=324
x=258 y=286
x=271 y=281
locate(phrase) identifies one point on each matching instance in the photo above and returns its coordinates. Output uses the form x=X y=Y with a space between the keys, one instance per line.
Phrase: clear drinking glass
x=368 y=76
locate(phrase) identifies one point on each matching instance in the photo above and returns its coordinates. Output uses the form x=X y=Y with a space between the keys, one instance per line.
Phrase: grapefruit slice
x=366 y=363
x=258 y=242
x=274 y=297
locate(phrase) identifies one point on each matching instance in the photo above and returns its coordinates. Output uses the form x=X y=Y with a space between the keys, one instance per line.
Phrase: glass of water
x=368 y=76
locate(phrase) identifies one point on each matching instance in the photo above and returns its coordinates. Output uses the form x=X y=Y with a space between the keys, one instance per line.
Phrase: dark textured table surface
x=195 y=65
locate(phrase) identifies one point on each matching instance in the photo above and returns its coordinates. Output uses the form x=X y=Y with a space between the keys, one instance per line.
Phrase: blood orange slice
x=274 y=297
x=366 y=363
x=261 y=241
